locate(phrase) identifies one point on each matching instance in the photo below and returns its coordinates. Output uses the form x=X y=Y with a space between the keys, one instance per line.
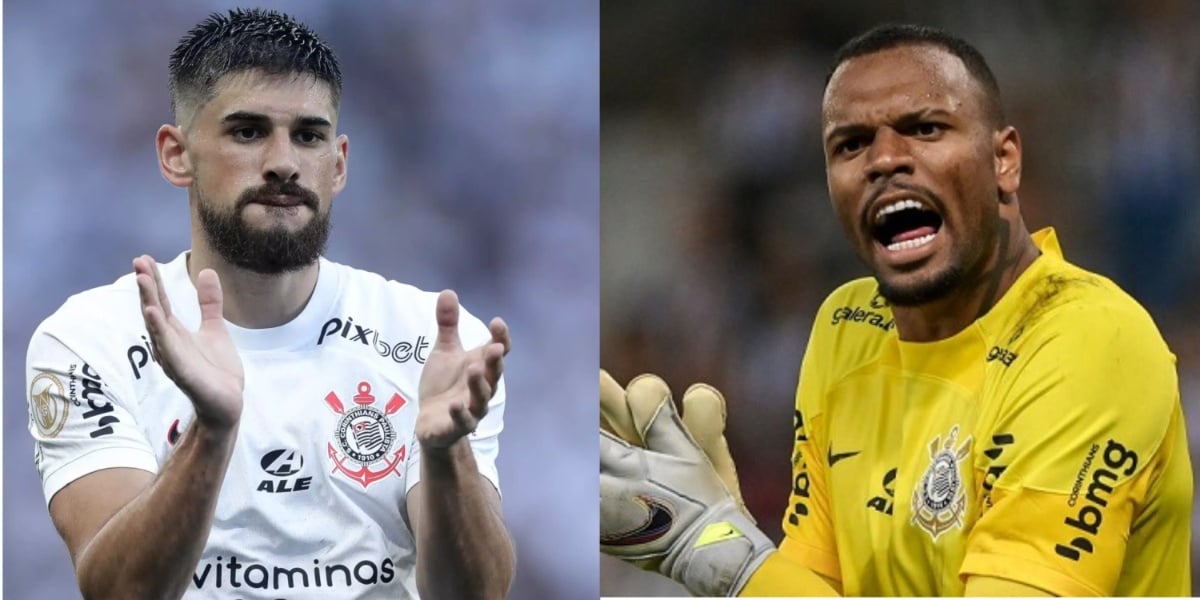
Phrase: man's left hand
x=457 y=384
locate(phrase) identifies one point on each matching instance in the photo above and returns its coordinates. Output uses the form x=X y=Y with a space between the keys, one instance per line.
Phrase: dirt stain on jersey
x=1049 y=293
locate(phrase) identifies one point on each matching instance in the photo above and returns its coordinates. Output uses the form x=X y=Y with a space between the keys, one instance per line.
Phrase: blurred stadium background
x=718 y=239
x=473 y=164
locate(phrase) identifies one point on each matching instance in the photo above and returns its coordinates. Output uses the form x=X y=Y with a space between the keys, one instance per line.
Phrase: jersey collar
x=964 y=347
x=294 y=334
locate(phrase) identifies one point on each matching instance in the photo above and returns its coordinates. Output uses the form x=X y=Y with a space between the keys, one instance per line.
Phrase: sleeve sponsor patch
x=48 y=407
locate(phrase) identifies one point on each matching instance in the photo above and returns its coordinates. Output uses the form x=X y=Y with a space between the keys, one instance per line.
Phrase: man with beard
x=980 y=417
x=251 y=418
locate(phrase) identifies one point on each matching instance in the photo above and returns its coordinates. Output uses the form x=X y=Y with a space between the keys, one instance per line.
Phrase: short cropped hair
x=888 y=36
x=243 y=40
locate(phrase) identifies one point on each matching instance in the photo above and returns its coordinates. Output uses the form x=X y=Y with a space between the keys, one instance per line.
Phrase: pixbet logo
x=283 y=463
x=400 y=352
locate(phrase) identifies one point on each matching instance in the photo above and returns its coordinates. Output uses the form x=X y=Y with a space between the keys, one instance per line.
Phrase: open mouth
x=904 y=224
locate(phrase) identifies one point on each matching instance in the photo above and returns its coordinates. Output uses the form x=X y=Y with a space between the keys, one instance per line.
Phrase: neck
x=945 y=317
x=253 y=300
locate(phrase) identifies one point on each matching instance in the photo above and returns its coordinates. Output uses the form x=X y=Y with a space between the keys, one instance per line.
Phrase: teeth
x=913 y=243
x=895 y=207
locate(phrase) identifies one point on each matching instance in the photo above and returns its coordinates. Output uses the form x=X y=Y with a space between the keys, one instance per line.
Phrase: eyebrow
x=243 y=116
x=314 y=122
x=852 y=129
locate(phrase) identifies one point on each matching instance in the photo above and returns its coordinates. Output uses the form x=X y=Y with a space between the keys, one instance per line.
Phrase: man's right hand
x=663 y=506
x=204 y=364
x=626 y=413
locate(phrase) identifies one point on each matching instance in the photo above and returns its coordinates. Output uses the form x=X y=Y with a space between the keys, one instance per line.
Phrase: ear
x=173 y=159
x=1007 y=143
x=342 y=145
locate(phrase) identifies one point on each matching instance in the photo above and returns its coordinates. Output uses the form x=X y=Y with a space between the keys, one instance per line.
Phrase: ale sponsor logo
x=281 y=465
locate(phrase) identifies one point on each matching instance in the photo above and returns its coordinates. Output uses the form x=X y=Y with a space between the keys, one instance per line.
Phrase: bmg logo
x=401 y=352
x=1099 y=492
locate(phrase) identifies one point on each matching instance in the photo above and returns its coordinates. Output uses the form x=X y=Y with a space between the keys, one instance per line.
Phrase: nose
x=888 y=155
x=280 y=162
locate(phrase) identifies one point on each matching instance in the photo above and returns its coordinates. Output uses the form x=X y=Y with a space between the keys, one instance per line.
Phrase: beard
x=935 y=287
x=968 y=268
x=270 y=251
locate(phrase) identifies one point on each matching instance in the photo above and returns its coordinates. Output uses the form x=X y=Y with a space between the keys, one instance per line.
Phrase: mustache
x=278 y=188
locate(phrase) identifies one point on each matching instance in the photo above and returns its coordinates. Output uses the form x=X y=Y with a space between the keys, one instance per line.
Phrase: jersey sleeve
x=1081 y=450
x=79 y=420
x=485 y=442
x=807 y=521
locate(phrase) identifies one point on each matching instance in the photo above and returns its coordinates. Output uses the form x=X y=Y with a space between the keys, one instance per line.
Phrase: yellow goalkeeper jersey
x=1043 y=444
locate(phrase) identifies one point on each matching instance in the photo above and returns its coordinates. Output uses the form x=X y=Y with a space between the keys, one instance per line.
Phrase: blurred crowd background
x=719 y=242
x=473 y=164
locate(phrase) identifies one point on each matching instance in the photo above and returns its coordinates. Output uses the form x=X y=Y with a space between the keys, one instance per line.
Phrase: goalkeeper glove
x=627 y=413
x=664 y=506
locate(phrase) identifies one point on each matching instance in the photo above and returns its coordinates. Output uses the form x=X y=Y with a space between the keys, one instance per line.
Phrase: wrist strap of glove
x=721 y=550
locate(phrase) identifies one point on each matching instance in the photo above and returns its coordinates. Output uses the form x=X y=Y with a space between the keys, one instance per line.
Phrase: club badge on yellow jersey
x=940 y=500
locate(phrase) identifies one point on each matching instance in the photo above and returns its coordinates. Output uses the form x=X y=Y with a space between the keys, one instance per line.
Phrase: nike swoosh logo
x=659 y=520
x=717 y=532
x=834 y=458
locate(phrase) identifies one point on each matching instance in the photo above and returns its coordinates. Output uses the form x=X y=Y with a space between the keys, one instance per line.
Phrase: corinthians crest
x=940 y=499
x=365 y=436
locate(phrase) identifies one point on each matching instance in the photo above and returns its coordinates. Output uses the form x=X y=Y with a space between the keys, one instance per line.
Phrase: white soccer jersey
x=312 y=501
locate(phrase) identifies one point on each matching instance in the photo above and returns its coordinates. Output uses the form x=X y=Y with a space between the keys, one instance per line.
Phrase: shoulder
x=98 y=317
x=97 y=337
x=361 y=281
x=1086 y=319
x=852 y=323
x=369 y=293
x=851 y=327
x=1055 y=300
x=1089 y=364
x=857 y=301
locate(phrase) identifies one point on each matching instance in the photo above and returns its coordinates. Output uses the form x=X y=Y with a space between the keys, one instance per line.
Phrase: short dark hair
x=887 y=36
x=247 y=39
